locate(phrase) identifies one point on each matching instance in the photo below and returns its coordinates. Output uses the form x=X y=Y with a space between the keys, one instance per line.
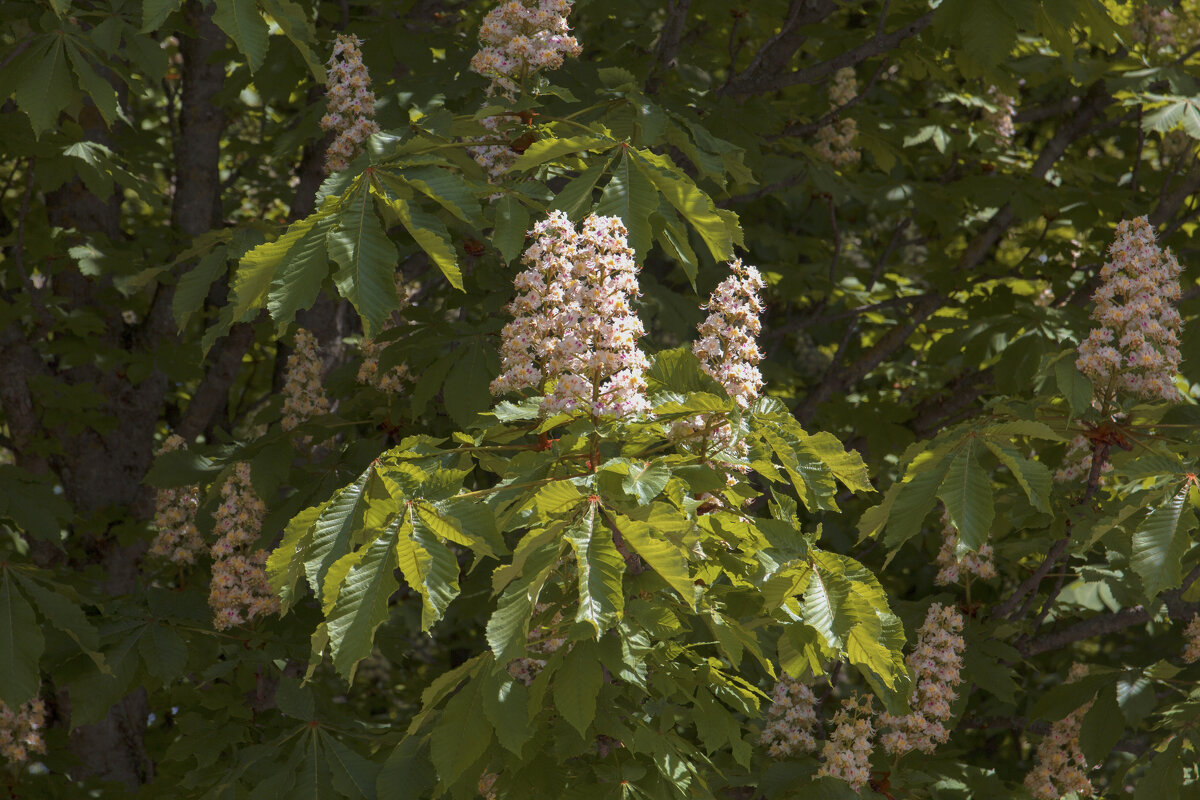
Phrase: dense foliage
x=390 y=408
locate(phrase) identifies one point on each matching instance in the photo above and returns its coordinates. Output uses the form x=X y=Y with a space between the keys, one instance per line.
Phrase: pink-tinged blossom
x=790 y=720
x=835 y=141
x=1059 y=766
x=847 y=752
x=542 y=640
x=575 y=332
x=391 y=380
x=496 y=157
x=951 y=567
x=1191 y=652
x=936 y=664
x=350 y=103
x=21 y=731
x=303 y=392
x=177 y=539
x=239 y=591
x=1077 y=462
x=519 y=39
x=1136 y=347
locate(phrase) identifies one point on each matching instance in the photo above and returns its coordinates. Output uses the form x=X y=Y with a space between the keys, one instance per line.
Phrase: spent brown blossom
x=1059 y=765
x=239 y=591
x=936 y=666
x=176 y=538
x=21 y=731
x=303 y=392
x=835 y=141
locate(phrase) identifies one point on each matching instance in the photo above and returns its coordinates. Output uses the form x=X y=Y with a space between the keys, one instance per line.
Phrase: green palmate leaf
x=298 y=278
x=811 y=478
x=1033 y=476
x=695 y=206
x=432 y=236
x=575 y=199
x=193 y=287
x=967 y=493
x=557 y=499
x=101 y=91
x=453 y=528
x=509 y=623
x=600 y=569
x=672 y=236
x=353 y=774
x=361 y=603
x=461 y=736
x=255 y=272
x=577 y=685
x=1160 y=543
x=512 y=221
x=506 y=705
x=64 y=614
x=293 y=21
x=331 y=533
x=447 y=189
x=906 y=504
x=646 y=480
x=285 y=565
x=21 y=645
x=1163 y=778
x=1076 y=388
x=366 y=259
x=549 y=149
x=630 y=195
x=46 y=87
x=242 y=22
x=155 y=13
x=1103 y=726
x=665 y=557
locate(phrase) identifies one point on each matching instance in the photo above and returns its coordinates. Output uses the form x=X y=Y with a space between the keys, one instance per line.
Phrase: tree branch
x=777 y=51
x=668 y=43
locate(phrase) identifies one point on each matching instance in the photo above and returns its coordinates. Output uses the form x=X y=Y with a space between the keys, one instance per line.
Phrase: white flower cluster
x=1136 y=347
x=847 y=753
x=21 y=731
x=520 y=38
x=1059 y=766
x=727 y=349
x=951 y=567
x=350 y=103
x=177 y=539
x=1077 y=462
x=496 y=158
x=303 y=394
x=835 y=141
x=239 y=591
x=790 y=719
x=936 y=664
x=1191 y=652
x=1000 y=121
x=574 y=326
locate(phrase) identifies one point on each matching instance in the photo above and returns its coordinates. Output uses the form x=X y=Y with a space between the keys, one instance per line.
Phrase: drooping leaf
x=242 y=22
x=630 y=195
x=512 y=221
x=664 y=556
x=362 y=601
x=297 y=281
x=461 y=735
x=366 y=259
x=1160 y=543
x=429 y=232
x=600 y=569
x=21 y=645
x=331 y=532
x=577 y=685
x=967 y=493
x=46 y=87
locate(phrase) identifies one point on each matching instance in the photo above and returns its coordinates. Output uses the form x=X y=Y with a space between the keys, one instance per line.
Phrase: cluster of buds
x=239 y=591
x=177 y=539
x=847 y=753
x=790 y=719
x=351 y=103
x=1136 y=347
x=835 y=141
x=951 y=567
x=303 y=394
x=574 y=332
x=1077 y=462
x=936 y=666
x=542 y=640
x=1059 y=766
x=1191 y=652
x=487 y=785
x=392 y=380
x=999 y=119
x=21 y=731
x=519 y=39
